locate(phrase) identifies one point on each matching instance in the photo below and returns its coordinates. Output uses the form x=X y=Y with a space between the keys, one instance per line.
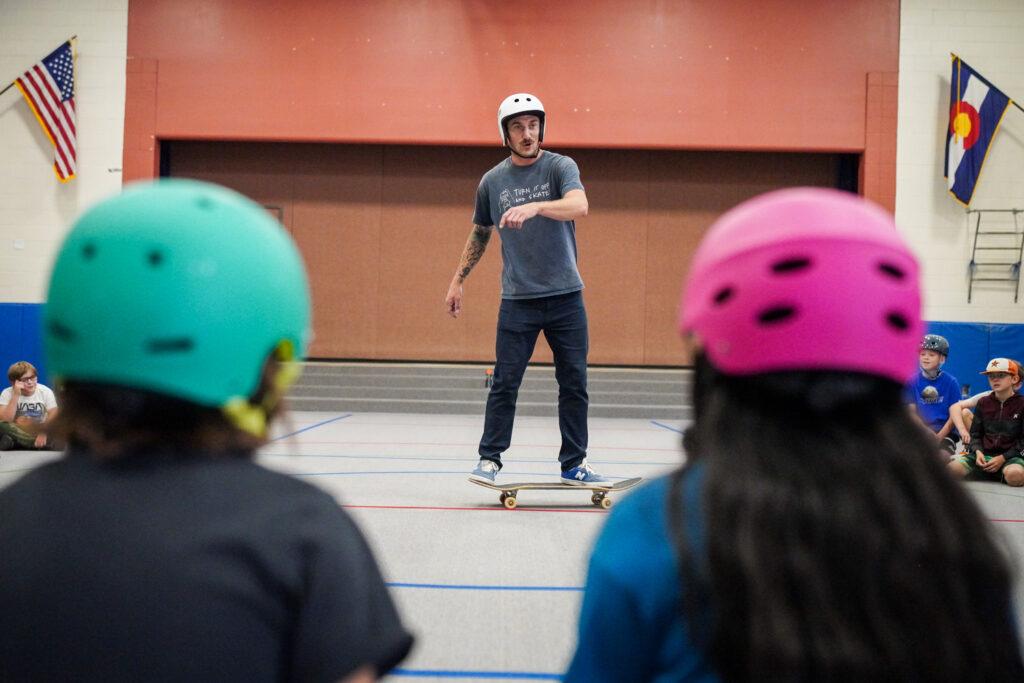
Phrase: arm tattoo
x=475 y=246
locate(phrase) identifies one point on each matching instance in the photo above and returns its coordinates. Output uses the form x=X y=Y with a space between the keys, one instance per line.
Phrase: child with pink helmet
x=812 y=535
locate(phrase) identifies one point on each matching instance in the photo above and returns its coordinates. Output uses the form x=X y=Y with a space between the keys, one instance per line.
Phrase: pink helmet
x=805 y=279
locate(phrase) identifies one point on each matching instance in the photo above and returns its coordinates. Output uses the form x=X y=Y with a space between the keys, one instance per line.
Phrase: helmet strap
x=254 y=417
x=513 y=150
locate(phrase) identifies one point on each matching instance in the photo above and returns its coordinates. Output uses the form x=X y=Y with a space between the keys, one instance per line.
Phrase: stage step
x=462 y=389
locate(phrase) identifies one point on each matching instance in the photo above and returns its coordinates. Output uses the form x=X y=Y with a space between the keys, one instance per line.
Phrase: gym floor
x=491 y=594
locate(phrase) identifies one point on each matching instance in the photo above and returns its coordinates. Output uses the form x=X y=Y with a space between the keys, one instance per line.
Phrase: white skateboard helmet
x=515 y=105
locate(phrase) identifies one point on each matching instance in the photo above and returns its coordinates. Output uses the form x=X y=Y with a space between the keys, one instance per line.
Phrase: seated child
x=934 y=391
x=997 y=433
x=962 y=413
x=25 y=408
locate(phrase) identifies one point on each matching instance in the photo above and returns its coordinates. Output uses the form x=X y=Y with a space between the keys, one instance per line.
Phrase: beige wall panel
x=688 y=191
x=427 y=215
x=382 y=227
x=612 y=245
x=336 y=222
x=265 y=175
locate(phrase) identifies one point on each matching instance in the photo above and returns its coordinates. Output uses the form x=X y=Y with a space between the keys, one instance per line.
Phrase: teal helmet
x=181 y=288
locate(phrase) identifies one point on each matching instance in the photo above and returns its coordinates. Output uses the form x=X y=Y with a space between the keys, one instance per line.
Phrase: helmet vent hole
x=59 y=331
x=892 y=271
x=791 y=265
x=723 y=295
x=898 y=321
x=155 y=258
x=204 y=203
x=776 y=314
x=171 y=345
x=89 y=251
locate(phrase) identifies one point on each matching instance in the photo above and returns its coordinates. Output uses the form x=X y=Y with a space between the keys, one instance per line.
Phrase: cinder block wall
x=35 y=208
x=987 y=34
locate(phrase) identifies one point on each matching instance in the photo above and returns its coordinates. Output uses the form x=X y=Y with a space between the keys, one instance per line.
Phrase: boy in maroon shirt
x=997 y=433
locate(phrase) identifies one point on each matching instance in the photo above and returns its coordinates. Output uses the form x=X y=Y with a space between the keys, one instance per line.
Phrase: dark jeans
x=564 y=323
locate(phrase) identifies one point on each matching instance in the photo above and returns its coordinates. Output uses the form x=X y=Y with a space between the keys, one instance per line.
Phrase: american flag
x=49 y=88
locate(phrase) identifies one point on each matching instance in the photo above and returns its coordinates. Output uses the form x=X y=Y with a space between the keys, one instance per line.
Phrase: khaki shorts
x=22 y=438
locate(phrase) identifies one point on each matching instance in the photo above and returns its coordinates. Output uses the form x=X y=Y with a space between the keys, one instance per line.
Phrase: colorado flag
x=976 y=110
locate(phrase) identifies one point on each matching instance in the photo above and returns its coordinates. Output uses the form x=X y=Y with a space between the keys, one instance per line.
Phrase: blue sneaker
x=582 y=475
x=486 y=470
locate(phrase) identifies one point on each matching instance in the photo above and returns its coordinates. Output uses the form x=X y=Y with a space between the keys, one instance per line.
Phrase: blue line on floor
x=447 y=586
x=505 y=675
x=665 y=426
x=318 y=424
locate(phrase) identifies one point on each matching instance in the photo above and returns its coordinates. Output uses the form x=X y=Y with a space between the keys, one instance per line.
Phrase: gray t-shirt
x=538 y=259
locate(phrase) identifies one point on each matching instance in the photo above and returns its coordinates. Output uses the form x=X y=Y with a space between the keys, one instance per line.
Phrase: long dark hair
x=110 y=421
x=838 y=547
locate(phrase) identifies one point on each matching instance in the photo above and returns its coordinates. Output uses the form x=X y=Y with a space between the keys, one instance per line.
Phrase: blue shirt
x=538 y=259
x=933 y=397
x=631 y=623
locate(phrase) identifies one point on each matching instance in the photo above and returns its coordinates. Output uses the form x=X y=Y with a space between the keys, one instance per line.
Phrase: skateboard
x=599 y=497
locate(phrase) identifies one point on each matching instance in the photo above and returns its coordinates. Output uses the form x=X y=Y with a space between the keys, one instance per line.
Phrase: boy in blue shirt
x=934 y=391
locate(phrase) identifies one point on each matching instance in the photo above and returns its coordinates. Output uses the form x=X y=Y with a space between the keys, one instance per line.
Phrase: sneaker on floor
x=6 y=442
x=583 y=475
x=486 y=470
x=961 y=450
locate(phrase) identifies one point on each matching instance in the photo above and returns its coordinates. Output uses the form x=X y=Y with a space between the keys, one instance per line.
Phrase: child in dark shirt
x=997 y=433
x=176 y=315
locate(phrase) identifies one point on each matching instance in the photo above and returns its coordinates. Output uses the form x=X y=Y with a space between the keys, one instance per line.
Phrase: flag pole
x=980 y=77
x=69 y=40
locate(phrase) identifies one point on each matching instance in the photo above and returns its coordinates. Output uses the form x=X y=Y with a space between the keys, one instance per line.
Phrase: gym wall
x=701 y=76
x=35 y=209
x=987 y=35
x=402 y=97
x=381 y=228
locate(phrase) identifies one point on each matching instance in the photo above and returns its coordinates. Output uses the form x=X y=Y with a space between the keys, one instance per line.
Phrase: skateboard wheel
x=510 y=502
x=605 y=503
x=596 y=498
x=502 y=498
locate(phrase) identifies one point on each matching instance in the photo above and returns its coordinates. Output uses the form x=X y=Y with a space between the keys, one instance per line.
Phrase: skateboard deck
x=599 y=497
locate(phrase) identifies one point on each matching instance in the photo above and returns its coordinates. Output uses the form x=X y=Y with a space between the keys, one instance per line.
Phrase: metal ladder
x=1001 y=249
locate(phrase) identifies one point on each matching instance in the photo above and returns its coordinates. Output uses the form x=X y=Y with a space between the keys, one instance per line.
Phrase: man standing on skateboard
x=533 y=197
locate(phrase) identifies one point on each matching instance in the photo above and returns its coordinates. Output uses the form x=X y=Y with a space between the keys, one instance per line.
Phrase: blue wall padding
x=21 y=339
x=971 y=345
x=968 y=351
x=1007 y=341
